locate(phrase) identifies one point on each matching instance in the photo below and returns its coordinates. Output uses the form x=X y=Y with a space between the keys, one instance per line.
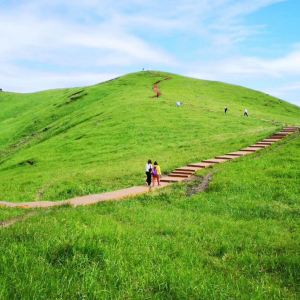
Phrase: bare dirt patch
x=200 y=184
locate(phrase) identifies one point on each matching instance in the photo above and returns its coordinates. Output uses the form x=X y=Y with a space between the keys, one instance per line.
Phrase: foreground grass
x=238 y=240
x=61 y=143
x=8 y=213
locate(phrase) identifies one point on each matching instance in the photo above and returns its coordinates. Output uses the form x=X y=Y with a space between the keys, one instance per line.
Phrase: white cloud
x=251 y=67
x=48 y=44
x=26 y=81
x=32 y=36
x=290 y=91
x=295 y=86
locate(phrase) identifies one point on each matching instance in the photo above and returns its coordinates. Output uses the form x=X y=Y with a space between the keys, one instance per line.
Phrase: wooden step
x=276 y=136
x=238 y=153
x=282 y=135
x=291 y=128
x=200 y=165
x=259 y=146
x=265 y=143
x=184 y=172
x=228 y=157
x=172 y=179
x=215 y=160
x=179 y=175
x=196 y=166
x=188 y=168
x=250 y=149
x=270 y=140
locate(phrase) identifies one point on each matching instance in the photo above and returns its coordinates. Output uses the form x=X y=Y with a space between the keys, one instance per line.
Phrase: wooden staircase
x=183 y=173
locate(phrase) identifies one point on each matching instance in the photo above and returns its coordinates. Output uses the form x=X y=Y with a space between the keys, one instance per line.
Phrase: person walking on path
x=156 y=173
x=246 y=112
x=148 y=171
x=225 y=109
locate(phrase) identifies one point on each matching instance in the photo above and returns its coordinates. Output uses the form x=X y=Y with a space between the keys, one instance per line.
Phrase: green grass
x=8 y=213
x=61 y=143
x=238 y=240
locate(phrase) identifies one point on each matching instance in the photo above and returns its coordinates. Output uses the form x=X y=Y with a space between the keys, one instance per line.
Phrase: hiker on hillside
x=156 y=173
x=148 y=171
x=225 y=109
x=246 y=112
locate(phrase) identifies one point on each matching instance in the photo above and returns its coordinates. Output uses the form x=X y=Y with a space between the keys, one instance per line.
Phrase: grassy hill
x=238 y=240
x=60 y=143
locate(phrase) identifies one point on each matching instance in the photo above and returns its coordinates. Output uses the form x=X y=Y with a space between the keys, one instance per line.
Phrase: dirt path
x=86 y=200
x=178 y=175
x=202 y=184
x=12 y=221
x=156 y=86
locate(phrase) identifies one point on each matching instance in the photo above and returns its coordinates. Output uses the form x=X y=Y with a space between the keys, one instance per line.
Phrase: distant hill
x=60 y=143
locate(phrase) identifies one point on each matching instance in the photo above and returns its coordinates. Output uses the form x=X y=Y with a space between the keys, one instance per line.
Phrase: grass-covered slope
x=238 y=240
x=60 y=143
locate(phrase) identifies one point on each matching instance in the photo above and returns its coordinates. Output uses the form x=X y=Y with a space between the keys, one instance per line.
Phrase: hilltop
x=60 y=143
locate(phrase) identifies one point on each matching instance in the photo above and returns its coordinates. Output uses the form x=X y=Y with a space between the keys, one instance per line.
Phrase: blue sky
x=51 y=44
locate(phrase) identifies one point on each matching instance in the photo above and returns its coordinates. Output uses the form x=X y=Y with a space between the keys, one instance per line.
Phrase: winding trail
x=156 y=89
x=178 y=175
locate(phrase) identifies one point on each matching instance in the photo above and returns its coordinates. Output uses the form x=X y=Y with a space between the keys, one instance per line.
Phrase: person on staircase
x=156 y=173
x=148 y=172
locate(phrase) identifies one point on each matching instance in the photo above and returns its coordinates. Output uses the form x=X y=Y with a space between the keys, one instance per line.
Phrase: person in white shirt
x=148 y=171
x=246 y=112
